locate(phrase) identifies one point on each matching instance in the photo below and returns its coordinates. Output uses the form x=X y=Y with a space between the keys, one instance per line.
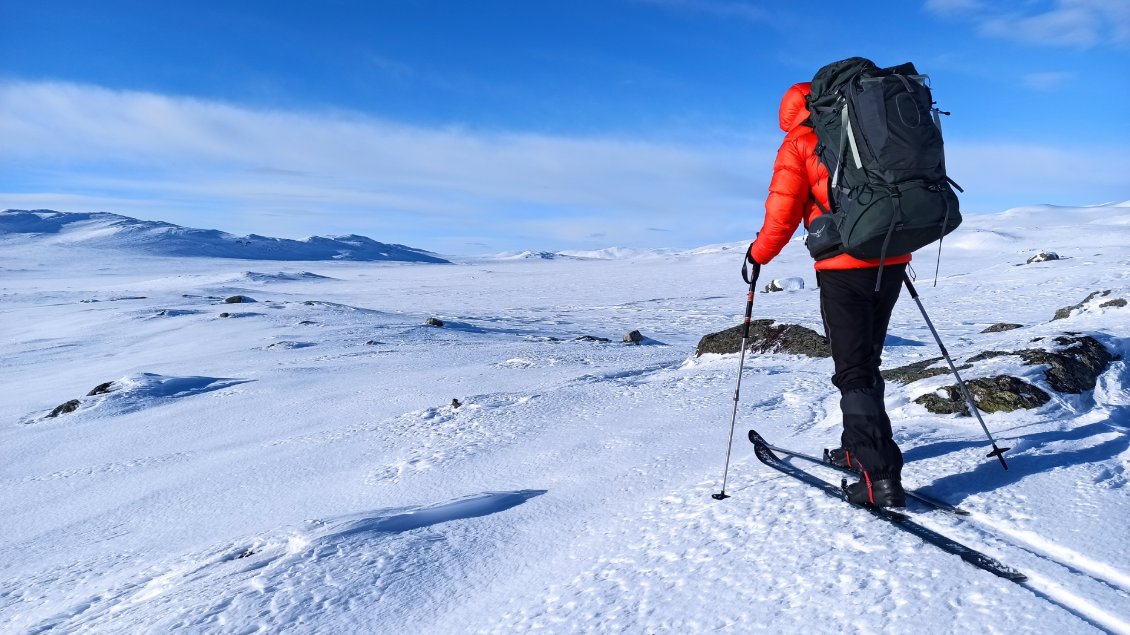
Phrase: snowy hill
x=111 y=231
x=317 y=458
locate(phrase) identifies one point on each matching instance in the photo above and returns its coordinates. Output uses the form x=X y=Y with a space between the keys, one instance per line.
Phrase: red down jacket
x=799 y=180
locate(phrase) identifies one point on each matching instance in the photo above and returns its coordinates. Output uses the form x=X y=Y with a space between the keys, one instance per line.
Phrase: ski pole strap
x=752 y=280
x=745 y=267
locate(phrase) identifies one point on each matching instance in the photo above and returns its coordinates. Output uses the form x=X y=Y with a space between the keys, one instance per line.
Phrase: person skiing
x=854 y=311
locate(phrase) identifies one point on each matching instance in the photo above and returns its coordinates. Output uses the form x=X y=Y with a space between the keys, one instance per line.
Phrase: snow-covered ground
x=298 y=466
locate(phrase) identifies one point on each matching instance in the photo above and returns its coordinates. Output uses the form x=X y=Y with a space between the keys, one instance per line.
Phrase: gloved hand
x=750 y=264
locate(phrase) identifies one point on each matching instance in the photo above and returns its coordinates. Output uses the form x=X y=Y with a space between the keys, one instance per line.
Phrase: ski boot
x=840 y=457
x=886 y=492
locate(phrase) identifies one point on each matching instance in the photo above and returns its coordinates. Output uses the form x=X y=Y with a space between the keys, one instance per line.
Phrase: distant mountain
x=104 y=230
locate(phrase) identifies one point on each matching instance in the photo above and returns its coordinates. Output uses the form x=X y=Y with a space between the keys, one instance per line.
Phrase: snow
x=112 y=231
x=299 y=466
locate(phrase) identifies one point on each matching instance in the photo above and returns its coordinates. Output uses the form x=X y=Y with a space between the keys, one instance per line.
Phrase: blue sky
x=482 y=126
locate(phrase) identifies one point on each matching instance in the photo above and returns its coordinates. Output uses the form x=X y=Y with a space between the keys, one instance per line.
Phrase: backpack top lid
x=830 y=80
x=827 y=81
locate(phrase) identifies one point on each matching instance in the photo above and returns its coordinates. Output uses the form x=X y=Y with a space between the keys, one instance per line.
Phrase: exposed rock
x=289 y=345
x=101 y=389
x=1065 y=312
x=1002 y=326
x=590 y=338
x=784 y=284
x=225 y=315
x=914 y=372
x=1002 y=393
x=980 y=357
x=237 y=299
x=436 y=322
x=764 y=337
x=63 y=409
x=1043 y=256
x=455 y=403
x=1076 y=367
x=307 y=323
x=1112 y=303
x=634 y=337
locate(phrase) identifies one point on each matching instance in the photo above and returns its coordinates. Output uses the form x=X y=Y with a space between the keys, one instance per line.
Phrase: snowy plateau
x=317 y=458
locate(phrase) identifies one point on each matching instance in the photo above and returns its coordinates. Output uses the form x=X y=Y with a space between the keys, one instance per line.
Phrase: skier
x=855 y=314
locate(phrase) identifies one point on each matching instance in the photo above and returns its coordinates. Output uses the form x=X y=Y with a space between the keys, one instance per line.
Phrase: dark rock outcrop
x=101 y=389
x=980 y=357
x=436 y=322
x=1065 y=312
x=1043 y=256
x=765 y=337
x=589 y=338
x=63 y=409
x=634 y=337
x=237 y=299
x=1076 y=367
x=1002 y=393
x=1117 y=302
x=1002 y=326
x=913 y=372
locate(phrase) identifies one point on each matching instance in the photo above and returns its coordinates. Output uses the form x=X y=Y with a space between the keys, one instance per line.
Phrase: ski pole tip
x=720 y=496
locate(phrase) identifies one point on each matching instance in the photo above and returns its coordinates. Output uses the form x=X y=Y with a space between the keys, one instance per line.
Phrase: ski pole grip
x=745 y=267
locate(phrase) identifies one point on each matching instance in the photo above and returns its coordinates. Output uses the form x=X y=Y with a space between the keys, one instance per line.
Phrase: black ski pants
x=855 y=320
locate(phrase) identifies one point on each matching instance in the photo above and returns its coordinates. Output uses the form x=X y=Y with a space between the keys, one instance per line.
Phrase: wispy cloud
x=1047 y=80
x=1073 y=23
x=397 y=181
x=210 y=164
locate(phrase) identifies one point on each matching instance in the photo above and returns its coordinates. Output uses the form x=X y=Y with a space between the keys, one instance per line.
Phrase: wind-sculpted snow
x=283 y=580
x=111 y=231
x=139 y=392
x=322 y=461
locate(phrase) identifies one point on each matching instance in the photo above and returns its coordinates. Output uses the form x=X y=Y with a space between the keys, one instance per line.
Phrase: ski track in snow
x=570 y=490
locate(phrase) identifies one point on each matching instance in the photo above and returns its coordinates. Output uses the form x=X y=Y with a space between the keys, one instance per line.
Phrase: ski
x=984 y=562
x=929 y=501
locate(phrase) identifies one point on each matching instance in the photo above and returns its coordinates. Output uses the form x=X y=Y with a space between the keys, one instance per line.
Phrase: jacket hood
x=794 y=112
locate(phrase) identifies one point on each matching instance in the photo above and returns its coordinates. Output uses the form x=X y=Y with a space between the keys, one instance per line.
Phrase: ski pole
x=741 y=365
x=997 y=452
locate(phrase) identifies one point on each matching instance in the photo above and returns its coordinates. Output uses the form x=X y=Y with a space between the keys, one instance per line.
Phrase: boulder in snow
x=1043 y=256
x=1002 y=393
x=65 y=408
x=1002 y=326
x=1065 y=312
x=916 y=371
x=1076 y=367
x=784 y=284
x=765 y=337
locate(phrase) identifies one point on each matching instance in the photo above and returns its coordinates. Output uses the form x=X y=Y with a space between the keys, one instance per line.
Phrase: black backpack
x=880 y=138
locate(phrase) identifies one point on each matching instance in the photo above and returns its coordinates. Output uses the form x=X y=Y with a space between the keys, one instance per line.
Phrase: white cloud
x=998 y=175
x=379 y=176
x=1078 y=23
x=1047 y=80
x=210 y=164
